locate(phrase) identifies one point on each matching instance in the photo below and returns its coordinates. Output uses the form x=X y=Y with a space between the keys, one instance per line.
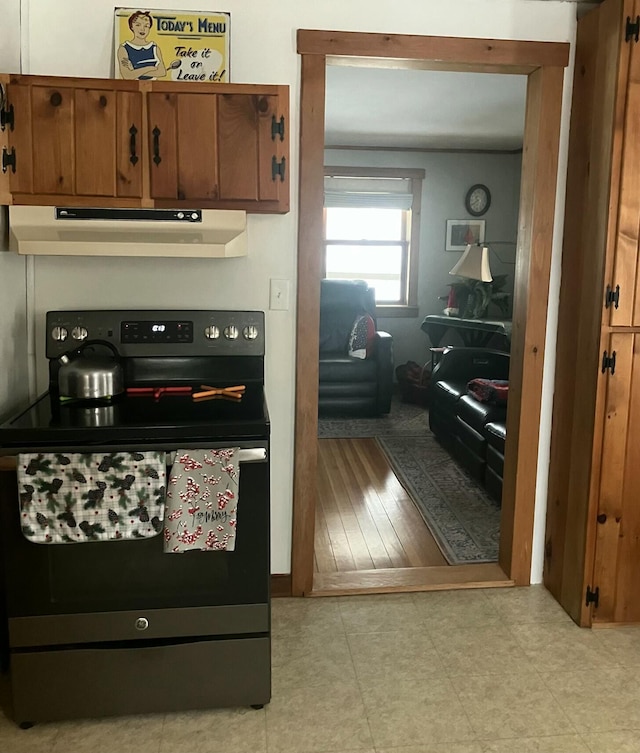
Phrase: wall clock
x=477 y=200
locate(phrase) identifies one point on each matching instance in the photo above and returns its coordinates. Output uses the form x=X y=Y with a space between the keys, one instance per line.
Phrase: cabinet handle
x=156 y=145
x=132 y=145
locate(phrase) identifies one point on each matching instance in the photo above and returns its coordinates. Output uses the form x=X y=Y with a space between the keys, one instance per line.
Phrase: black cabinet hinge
x=592 y=597
x=6 y=113
x=632 y=30
x=612 y=297
x=277 y=168
x=6 y=118
x=609 y=362
x=277 y=128
x=8 y=159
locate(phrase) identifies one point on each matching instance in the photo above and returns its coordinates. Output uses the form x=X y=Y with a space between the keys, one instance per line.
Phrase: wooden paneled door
x=617 y=544
x=592 y=548
x=625 y=267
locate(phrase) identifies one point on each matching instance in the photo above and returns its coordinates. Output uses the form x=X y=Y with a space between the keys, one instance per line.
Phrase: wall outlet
x=279 y=295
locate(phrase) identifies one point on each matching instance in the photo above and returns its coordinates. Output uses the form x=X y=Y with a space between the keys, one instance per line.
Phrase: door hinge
x=6 y=113
x=277 y=168
x=612 y=297
x=633 y=29
x=277 y=128
x=592 y=597
x=609 y=362
x=8 y=159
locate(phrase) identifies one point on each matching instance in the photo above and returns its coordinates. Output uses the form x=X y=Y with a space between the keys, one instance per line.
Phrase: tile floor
x=494 y=671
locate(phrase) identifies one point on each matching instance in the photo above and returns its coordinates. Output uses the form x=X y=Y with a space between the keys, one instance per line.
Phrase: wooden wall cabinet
x=72 y=141
x=592 y=553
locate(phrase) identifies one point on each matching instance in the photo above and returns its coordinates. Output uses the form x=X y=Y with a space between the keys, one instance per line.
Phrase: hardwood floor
x=365 y=520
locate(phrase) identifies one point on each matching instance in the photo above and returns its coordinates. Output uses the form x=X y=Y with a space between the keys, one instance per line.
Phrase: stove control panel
x=156 y=331
x=159 y=332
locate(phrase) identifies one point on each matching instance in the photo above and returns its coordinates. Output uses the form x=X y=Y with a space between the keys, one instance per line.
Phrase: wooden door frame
x=543 y=63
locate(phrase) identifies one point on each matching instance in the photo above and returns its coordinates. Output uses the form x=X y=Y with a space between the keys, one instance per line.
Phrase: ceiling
x=416 y=109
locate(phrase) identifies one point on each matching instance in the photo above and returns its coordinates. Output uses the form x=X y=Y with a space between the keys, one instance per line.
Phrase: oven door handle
x=246 y=455
x=253 y=455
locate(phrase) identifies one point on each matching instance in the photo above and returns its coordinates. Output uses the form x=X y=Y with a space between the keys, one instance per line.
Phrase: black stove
x=75 y=610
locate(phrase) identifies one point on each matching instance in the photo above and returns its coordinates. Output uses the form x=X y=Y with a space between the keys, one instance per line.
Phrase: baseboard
x=281 y=585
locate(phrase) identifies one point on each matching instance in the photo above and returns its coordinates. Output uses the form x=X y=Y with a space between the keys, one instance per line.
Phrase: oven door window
x=106 y=576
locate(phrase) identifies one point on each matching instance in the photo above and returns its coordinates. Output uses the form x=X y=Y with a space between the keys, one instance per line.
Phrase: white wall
x=73 y=40
x=13 y=332
x=448 y=177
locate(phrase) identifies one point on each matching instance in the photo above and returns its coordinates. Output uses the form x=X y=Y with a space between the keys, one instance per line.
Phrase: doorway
x=543 y=63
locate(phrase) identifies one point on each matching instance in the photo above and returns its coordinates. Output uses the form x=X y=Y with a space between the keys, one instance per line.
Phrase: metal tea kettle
x=88 y=376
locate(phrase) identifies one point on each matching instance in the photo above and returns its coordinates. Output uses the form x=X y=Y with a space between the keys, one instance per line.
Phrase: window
x=371 y=232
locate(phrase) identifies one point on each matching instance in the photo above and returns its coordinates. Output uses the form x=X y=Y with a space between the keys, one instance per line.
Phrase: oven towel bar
x=202 y=501
x=68 y=498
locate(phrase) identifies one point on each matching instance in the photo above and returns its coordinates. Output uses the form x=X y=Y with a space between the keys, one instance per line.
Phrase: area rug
x=463 y=519
x=404 y=419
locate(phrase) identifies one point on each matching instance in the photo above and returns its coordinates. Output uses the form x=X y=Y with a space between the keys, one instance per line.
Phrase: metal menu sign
x=171 y=45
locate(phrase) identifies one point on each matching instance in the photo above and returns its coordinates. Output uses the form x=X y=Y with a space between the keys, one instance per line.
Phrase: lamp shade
x=474 y=264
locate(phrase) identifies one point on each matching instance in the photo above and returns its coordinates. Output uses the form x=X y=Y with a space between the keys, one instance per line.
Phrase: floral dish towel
x=202 y=501
x=68 y=498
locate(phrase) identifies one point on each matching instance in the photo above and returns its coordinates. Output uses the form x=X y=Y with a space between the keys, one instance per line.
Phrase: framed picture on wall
x=460 y=233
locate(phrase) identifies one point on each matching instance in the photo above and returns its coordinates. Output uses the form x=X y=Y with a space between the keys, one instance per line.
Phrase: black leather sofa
x=347 y=385
x=473 y=431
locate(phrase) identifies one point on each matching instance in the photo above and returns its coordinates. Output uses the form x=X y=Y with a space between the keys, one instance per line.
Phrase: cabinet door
x=626 y=271
x=219 y=148
x=248 y=126
x=617 y=550
x=74 y=139
x=183 y=149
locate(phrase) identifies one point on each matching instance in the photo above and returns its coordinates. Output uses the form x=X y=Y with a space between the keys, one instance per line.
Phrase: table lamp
x=474 y=264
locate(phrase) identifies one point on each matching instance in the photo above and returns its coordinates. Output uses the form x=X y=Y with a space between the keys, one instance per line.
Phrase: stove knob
x=59 y=334
x=142 y=623
x=231 y=332
x=79 y=333
x=250 y=332
x=212 y=332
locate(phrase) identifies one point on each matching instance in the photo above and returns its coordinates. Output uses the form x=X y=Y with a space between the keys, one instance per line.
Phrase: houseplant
x=473 y=298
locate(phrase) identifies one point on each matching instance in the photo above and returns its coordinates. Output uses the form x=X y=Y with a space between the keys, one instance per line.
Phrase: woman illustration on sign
x=140 y=58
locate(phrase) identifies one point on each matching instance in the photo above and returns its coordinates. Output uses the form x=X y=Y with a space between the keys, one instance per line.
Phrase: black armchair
x=350 y=385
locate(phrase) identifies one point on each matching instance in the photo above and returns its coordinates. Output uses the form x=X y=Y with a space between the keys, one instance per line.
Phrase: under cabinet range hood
x=84 y=231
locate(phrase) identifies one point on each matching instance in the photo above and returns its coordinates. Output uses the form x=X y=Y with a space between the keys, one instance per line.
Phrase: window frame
x=411 y=234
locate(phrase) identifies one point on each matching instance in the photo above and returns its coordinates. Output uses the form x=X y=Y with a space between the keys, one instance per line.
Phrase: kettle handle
x=77 y=350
